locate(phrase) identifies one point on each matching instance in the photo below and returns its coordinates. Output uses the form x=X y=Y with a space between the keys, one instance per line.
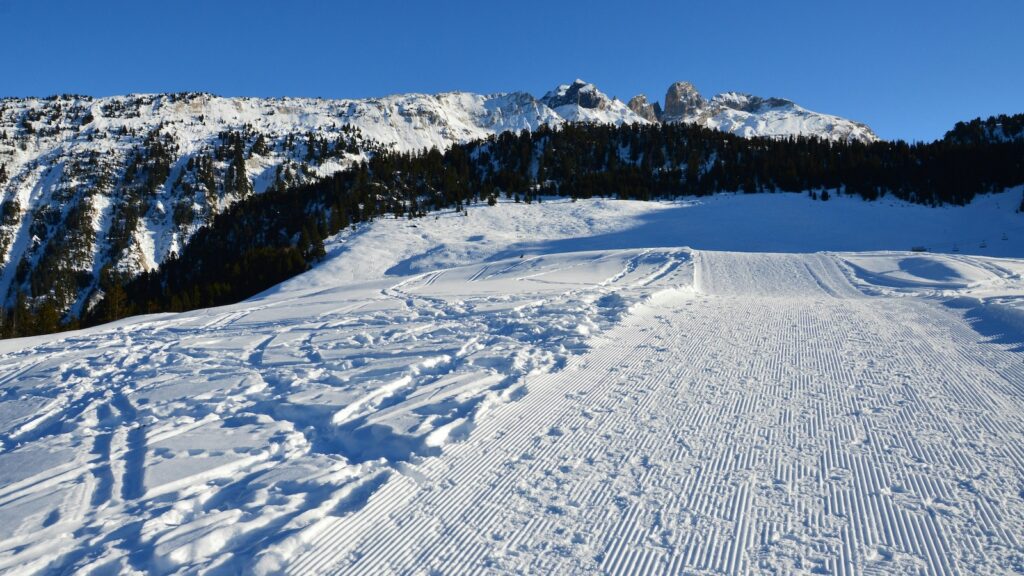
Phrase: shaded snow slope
x=555 y=388
x=755 y=222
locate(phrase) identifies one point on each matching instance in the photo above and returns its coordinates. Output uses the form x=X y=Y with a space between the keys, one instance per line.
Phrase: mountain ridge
x=748 y=115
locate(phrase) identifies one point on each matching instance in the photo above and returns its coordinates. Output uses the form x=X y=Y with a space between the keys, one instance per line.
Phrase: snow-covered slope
x=550 y=388
x=747 y=115
x=410 y=122
x=123 y=182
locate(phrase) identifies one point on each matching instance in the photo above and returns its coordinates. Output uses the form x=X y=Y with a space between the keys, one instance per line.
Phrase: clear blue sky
x=910 y=69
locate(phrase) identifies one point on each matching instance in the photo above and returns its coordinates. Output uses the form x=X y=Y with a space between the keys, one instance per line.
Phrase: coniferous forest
x=270 y=237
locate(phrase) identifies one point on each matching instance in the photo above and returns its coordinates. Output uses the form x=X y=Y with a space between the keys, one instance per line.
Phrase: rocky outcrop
x=749 y=103
x=747 y=115
x=644 y=109
x=583 y=102
x=682 y=101
x=579 y=93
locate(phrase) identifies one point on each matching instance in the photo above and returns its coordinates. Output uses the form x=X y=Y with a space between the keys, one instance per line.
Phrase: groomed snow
x=729 y=384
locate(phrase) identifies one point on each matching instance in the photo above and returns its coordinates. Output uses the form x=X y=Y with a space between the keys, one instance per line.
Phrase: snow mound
x=938 y=272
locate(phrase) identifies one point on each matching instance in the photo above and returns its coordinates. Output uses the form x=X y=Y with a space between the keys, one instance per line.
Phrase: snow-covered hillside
x=566 y=387
x=123 y=182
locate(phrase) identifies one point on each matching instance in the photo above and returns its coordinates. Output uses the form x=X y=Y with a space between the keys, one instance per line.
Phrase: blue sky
x=910 y=69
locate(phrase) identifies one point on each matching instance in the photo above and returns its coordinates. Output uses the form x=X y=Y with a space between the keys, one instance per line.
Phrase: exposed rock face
x=747 y=115
x=683 y=101
x=583 y=102
x=644 y=109
x=748 y=103
x=578 y=93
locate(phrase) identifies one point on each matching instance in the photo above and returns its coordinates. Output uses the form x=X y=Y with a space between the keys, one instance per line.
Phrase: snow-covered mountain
x=741 y=114
x=120 y=183
x=124 y=181
x=748 y=115
x=583 y=102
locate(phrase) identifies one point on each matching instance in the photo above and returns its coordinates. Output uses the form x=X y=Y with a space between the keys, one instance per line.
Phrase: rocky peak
x=644 y=109
x=683 y=100
x=750 y=103
x=580 y=93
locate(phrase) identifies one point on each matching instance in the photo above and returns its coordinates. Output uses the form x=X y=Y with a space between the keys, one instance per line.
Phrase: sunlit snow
x=728 y=384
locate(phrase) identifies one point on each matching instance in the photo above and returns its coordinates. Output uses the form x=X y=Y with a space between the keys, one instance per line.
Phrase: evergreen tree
x=238 y=180
x=22 y=323
x=114 y=297
x=260 y=147
x=47 y=317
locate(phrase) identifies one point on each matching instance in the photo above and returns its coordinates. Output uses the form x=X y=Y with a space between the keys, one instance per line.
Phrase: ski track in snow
x=778 y=420
x=558 y=406
x=207 y=438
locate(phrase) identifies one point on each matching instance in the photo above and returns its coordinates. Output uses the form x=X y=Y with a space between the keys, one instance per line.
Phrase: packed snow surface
x=730 y=384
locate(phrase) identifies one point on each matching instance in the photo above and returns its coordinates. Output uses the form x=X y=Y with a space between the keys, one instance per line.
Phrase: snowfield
x=731 y=384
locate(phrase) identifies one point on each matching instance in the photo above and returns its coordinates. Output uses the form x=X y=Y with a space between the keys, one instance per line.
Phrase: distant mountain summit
x=583 y=102
x=747 y=115
x=682 y=102
x=741 y=114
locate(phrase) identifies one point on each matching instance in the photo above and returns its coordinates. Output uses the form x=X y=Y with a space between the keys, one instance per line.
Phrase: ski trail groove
x=779 y=420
